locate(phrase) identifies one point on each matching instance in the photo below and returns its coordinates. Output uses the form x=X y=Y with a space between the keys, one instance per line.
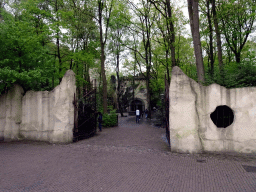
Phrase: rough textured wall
x=63 y=109
x=192 y=129
x=42 y=115
x=2 y=116
x=49 y=116
x=141 y=92
x=10 y=113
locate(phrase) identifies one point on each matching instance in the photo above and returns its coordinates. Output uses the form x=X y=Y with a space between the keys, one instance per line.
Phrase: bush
x=110 y=119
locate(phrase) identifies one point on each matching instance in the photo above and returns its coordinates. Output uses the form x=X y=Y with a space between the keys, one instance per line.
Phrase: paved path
x=131 y=157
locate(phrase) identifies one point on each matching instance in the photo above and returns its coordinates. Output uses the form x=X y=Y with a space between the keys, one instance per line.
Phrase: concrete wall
x=10 y=113
x=42 y=115
x=191 y=128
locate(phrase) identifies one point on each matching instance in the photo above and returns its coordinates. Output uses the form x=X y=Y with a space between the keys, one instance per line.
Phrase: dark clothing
x=100 y=121
x=137 y=118
x=146 y=113
x=99 y=126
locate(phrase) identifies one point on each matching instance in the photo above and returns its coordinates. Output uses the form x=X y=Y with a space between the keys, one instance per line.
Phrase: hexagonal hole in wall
x=223 y=116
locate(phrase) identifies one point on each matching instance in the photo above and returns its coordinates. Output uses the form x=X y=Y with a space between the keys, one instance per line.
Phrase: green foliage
x=23 y=60
x=30 y=54
x=234 y=76
x=109 y=119
x=240 y=75
x=29 y=47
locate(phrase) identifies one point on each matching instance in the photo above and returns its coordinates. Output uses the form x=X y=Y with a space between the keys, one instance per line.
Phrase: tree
x=103 y=20
x=83 y=40
x=194 y=25
x=145 y=24
x=237 y=20
x=23 y=59
x=167 y=30
x=218 y=37
x=119 y=27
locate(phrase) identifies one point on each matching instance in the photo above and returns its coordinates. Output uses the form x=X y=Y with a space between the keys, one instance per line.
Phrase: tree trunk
x=167 y=66
x=104 y=80
x=102 y=59
x=238 y=57
x=194 y=24
x=211 y=39
x=58 y=39
x=215 y=20
x=172 y=32
x=58 y=55
x=118 y=82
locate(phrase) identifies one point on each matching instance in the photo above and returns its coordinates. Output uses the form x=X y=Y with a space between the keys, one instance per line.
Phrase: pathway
x=128 y=158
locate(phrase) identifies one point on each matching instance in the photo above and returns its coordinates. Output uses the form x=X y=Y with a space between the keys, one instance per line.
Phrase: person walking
x=100 y=120
x=137 y=116
x=146 y=113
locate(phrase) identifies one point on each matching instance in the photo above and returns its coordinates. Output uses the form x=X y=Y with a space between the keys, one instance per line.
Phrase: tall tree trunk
x=178 y=53
x=58 y=39
x=211 y=39
x=58 y=54
x=238 y=57
x=118 y=80
x=194 y=24
x=104 y=80
x=216 y=26
x=102 y=58
x=148 y=59
x=167 y=66
x=171 y=32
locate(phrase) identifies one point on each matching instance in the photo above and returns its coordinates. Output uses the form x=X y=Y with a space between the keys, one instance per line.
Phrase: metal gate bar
x=167 y=110
x=85 y=115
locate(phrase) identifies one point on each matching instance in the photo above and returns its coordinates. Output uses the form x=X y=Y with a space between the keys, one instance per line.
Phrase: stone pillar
x=13 y=108
x=62 y=109
x=184 y=121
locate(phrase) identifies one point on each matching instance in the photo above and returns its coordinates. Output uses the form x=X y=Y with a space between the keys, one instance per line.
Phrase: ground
x=131 y=157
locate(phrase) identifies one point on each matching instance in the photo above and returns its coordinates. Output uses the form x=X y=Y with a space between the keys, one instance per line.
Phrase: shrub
x=110 y=119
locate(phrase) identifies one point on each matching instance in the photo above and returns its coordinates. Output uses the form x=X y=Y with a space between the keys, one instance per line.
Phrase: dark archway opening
x=223 y=116
x=137 y=104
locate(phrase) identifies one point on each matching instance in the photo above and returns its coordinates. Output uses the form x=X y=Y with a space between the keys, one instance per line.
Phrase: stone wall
x=191 y=128
x=42 y=115
x=140 y=93
x=10 y=113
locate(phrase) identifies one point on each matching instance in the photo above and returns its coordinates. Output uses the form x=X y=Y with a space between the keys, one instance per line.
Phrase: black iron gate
x=85 y=115
x=167 y=103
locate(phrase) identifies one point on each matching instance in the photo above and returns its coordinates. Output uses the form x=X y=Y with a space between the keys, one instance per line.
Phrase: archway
x=136 y=104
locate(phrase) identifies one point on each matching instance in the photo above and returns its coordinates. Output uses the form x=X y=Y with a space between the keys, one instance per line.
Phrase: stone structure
x=11 y=113
x=42 y=115
x=196 y=111
x=140 y=93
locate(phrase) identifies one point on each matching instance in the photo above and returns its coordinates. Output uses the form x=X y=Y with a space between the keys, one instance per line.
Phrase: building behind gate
x=136 y=87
